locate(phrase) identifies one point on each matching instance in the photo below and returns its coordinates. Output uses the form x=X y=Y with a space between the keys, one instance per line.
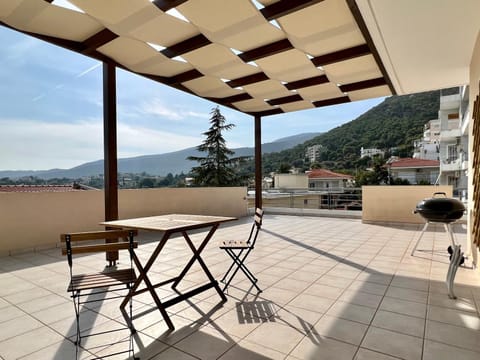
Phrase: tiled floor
x=333 y=289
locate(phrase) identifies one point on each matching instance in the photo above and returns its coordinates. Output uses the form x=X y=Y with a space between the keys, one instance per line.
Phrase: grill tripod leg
x=419 y=238
x=452 y=270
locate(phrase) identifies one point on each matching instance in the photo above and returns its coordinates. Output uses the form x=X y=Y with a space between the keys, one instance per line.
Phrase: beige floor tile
x=335 y=281
x=160 y=331
x=340 y=329
x=405 y=307
x=453 y=335
x=10 y=312
x=292 y=284
x=64 y=310
x=61 y=350
x=173 y=354
x=88 y=319
x=298 y=318
x=349 y=311
x=236 y=323
x=207 y=343
x=410 y=283
x=44 y=302
x=251 y=351
x=368 y=287
x=366 y=354
x=466 y=319
x=284 y=340
x=326 y=291
x=28 y=295
x=461 y=303
x=29 y=342
x=361 y=298
x=313 y=303
x=407 y=294
x=438 y=351
x=400 y=323
x=278 y=295
x=323 y=348
x=393 y=343
x=18 y=326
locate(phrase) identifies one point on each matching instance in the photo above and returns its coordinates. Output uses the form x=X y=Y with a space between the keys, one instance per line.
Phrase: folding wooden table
x=169 y=225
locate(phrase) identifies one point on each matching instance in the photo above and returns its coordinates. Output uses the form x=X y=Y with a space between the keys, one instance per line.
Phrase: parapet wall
x=29 y=221
x=395 y=204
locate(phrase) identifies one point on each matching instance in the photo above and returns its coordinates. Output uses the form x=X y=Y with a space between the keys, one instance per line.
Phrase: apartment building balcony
x=452 y=134
x=453 y=165
x=332 y=288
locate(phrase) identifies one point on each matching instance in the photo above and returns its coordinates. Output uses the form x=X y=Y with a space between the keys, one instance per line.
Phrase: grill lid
x=440 y=209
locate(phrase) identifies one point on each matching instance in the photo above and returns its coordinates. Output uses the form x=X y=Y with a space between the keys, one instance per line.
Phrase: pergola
x=260 y=57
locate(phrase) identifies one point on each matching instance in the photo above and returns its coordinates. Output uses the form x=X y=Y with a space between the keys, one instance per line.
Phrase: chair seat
x=234 y=244
x=101 y=280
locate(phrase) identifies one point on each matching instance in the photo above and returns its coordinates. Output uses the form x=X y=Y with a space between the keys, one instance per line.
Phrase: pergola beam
x=258 y=162
x=110 y=147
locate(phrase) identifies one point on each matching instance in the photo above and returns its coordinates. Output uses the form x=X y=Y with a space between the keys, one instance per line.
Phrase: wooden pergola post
x=258 y=162
x=110 y=147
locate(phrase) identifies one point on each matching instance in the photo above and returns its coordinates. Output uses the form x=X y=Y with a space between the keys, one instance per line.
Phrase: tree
x=217 y=167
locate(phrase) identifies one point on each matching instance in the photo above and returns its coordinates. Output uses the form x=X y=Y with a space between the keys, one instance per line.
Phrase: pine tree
x=217 y=167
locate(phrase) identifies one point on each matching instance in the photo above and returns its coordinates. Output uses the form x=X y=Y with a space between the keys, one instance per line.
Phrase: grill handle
x=440 y=193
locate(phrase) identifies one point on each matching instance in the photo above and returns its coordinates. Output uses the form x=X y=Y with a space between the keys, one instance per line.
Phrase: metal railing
x=331 y=198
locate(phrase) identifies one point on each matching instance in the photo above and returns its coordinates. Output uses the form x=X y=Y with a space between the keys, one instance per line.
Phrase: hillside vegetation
x=393 y=124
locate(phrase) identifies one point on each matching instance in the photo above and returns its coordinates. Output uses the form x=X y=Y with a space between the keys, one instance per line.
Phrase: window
x=452 y=153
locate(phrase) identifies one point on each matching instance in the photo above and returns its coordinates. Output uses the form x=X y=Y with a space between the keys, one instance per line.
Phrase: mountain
x=394 y=123
x=161 y=164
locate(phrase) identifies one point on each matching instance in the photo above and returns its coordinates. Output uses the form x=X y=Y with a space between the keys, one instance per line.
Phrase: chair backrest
x=97 y=242
x=257 y=225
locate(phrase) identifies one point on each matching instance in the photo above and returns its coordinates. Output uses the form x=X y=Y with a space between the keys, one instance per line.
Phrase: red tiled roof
x=36 y=188
x=326 y=174
x=414 y=163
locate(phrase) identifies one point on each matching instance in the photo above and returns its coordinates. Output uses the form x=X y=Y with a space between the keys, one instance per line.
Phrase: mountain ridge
x=174 y=162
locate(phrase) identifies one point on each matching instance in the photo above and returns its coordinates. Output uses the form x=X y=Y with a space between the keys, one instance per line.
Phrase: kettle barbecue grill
x=446 y=211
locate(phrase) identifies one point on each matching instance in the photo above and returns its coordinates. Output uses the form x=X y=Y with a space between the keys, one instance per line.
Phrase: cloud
x=157 y=107
x=39 y=145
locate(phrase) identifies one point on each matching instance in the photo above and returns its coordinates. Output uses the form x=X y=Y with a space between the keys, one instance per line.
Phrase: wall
x=291 y=181
x=34 y=220
x=385 y=204
x=474 y=91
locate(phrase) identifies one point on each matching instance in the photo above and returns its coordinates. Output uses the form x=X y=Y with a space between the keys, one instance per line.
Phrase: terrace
x=333 y=289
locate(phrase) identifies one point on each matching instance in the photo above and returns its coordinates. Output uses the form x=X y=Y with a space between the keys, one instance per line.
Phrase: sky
x=51 y=111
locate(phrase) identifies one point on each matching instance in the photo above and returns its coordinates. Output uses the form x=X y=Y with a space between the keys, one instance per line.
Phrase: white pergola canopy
x=268 y=56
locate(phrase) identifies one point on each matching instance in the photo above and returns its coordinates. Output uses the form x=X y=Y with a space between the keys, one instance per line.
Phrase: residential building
x=454 y=118
x=370 y=152
x=313 y=153
x=428 y=147
x=446 y=139
x=322 y=179
x=416 y=171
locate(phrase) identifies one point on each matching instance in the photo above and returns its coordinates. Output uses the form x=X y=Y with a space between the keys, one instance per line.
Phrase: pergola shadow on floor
x=333 y=289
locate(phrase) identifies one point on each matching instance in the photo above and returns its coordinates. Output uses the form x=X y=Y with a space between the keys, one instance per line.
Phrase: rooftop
x=333 y=288
x=39 y=188
x=414 y=163
x=326 y=174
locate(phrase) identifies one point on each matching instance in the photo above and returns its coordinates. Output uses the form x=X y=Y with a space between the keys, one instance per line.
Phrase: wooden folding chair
x=238 y=250
x=89 y=288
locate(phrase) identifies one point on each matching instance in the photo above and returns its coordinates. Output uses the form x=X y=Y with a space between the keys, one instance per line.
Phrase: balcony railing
x=329 y=199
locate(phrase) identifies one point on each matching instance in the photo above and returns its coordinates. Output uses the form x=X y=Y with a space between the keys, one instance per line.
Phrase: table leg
x=196 y=256
x=143 y=276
